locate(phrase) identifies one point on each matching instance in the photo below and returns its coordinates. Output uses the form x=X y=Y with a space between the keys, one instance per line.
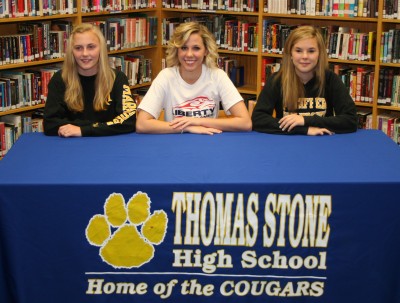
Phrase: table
x=233 y=217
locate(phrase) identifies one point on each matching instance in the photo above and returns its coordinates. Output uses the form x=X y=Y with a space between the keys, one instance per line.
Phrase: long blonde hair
x=182 y=34
x=292 y=87
x=104 y=79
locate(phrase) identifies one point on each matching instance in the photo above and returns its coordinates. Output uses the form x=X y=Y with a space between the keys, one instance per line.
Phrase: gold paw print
x=116 y=232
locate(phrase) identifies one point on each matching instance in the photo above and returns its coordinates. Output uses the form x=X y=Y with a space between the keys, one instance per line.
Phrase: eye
x=78 y=47
x=184 y=48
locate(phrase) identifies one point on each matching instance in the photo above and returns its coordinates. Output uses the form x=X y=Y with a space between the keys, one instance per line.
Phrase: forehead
x=306 y=43
x=194 y=38
x=85 y=38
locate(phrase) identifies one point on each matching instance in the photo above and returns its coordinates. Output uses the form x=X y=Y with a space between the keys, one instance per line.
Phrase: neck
x=189 y=77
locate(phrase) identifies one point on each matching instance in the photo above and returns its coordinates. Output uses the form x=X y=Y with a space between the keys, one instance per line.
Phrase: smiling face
x=86 y=50
x=191 y=56
x=305 y=54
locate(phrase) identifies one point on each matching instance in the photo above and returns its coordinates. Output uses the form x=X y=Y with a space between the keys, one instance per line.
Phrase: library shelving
x=32 y=42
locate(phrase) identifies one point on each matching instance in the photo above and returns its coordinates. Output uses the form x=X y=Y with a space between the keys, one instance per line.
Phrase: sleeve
x=270 y=103
x=152 y=102
x=124 y=120
x=342 y=117
x=56 y=112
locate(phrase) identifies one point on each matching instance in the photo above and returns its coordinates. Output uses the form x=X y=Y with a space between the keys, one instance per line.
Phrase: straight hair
x=104 y=78
x=292 y=86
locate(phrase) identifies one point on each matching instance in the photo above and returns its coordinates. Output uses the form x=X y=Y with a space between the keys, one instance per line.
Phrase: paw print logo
x=127 y=232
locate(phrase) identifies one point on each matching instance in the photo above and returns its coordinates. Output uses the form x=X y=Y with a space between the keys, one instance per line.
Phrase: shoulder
x=215 y=75
x=331 y=76
x=213 y=71
x=119 y=75
x=169 y=71
x=275 y=77
x=57 y=78
x=274 y=81
x=166 y=75
x=333 y=81
x=57 y=75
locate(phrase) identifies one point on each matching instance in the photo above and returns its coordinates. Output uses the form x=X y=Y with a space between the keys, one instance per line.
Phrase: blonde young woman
x=191 y=88
x=305 y=95
x=87 y=97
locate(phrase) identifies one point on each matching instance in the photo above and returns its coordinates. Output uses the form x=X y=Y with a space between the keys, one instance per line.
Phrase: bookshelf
x=362 y=19
x=261 y=12
x=141 y=52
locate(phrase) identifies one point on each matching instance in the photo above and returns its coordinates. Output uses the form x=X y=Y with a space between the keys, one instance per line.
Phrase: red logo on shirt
x=197 y=107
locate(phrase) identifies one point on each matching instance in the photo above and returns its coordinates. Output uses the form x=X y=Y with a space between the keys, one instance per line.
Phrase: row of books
x=358 y=80
x=115 y=5
x=30 y=87
x=234 y=70
x=25 y=8
x=212 y=5
x=35 y=41
x=128 y=32
x=350 y=44
x=137 y=68
x=390 y=46
x=388 y=94
x=341 y=42
x=24 y=88
x=387 y=122
x=391 y=9
x=389 y=87
x=46 y=40
x=230 y=32
x=335 y=8
x=13 y=126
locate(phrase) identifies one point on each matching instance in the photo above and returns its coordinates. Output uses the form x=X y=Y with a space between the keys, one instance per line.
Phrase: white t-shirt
x=169 y=92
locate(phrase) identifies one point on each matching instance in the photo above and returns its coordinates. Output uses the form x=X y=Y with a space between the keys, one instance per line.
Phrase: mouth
x=305 y=65
x=190 y=61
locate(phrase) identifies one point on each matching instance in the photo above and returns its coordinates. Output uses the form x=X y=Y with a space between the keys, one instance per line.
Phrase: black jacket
x=335 y=110
x=119 y=116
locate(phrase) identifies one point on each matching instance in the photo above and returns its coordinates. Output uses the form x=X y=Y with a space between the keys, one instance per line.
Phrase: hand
x=288 y=122
x=69 y=130
x=202 y=130
x=183 y=122
x=317 y=131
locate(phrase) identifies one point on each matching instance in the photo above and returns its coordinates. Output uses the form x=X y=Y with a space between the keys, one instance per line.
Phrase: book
x=20 y=93
x=15 y=121
x=37 y=125
x=10 y=92
x=2 y=139
x=362 y=114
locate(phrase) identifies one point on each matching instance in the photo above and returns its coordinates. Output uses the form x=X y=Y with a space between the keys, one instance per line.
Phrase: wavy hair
x=182 y=34
x=292 y=87
x=104 y=79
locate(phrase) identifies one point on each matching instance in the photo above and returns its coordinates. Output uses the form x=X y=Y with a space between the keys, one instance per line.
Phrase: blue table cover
x=238 y=217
